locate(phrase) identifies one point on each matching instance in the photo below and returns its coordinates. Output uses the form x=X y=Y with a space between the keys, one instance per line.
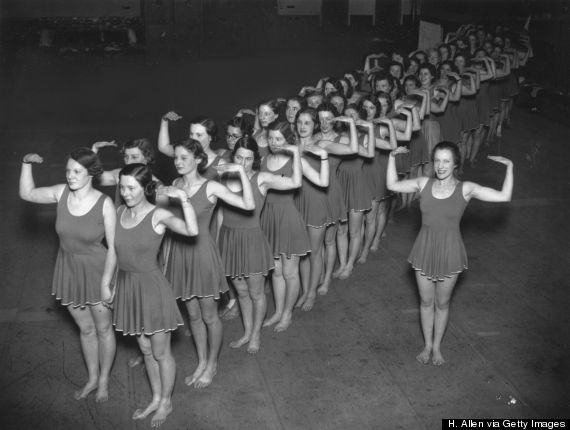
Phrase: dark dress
x=195 y=268
x=243 y=246
x=311 y=200
x=144 y=301
x=210 y=172
x=438 y=251
x=281 y=222
x=81 y=256
x=356 y=190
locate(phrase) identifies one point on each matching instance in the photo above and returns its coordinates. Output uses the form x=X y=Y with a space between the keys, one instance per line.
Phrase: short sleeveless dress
x=81 y=256
x=430 y=128
x=483 y=104
x=356 y=190
x=311 y=200
x=195 y=268
x=467 y=110
x=280 y=221
x=449 y=123
x=243 y=246
x=210 y=172
x=144 y=301
x=334 y=191
x=438 y=251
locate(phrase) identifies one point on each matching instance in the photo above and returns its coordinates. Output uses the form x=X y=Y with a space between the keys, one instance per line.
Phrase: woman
x=267 y=112
x=144 y=304
x=438 y=255
x=245 y=251
x=284 y=228
x=84 y=267
x=203 y=130
x=195 y=268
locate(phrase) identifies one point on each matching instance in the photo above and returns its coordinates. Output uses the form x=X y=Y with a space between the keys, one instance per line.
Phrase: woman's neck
x=191 y=178
x=82 y=192
x=142 y=207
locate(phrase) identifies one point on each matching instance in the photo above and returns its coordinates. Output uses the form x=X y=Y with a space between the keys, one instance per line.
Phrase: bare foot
x=141 y=414
x=274 y=319
x=190 y=380
x=253 y=346
x=423 y=357
x=437 y=358
x=362 y=258
x=162 y=412
x=309 y=303
x=323 y=289
x=206 y=378
x=102 y=394
x=135 y=361
x=338 y=272
x=346 y=273
x=375 y=245
x=301 y=301
x=240 y=342
x=84 y=392
x=283 y=325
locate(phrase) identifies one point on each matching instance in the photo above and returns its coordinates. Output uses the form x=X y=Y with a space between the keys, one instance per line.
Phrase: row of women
x=303 y=189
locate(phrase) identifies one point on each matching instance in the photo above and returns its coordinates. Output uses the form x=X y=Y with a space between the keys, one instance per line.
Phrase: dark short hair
x=143 y=175
x=88 y=159
x=144 y=145
x=249 y=143
x=450 y=146
x=194 y=147
x=208 y=124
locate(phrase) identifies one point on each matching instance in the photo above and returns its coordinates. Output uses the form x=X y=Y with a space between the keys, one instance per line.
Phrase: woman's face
x=76 y=175
x=325 y=121
x=488 y=47
x=184 y=161
x=305 y=125
x=314 y=101
x=266 y=115
x=472 y=41
x=293 y=106
x=329 y=88
x=383 y=85
x=351 y=79
x=131 y=191
x=413 y=69
x=459 y=62
x=338 y=103
x=433 y=57
x=444 y=70
x=198 y=132
x=383 y=105
x=370 y=110
x=443 y=53
x=133 y=155
x=232 y=136
x=443 y=163
x=245 y=158
x=276 y=140
x=396 y=71
x=409 y=86
x=425 y=77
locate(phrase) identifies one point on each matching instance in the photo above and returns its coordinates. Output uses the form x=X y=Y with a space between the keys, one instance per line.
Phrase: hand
x=172 y=192
x=32 y=158
x=453 y=75
x=229 y=167
x=171 y=116
x=317 y=150
x=500 y=159
x=98 y=145
x=289 y=148
x=343 y=119
x=399 y=150
x=364 y=123
x=108 y=296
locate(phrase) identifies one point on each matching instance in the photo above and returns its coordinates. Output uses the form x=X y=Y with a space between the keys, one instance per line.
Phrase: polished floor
x=347 y=364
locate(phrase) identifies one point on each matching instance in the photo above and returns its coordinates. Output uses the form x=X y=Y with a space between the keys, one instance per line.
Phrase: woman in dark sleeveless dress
x=438 y=255
x=245 y=251
x=195 y=268
x=84 y=267
x=144 y=303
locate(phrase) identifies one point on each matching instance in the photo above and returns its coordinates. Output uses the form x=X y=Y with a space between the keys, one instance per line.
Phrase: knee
x=211 y=318
x=291 y=273
x=427 y=302
x=87 y=329
x=146 y=350
x=442 y=305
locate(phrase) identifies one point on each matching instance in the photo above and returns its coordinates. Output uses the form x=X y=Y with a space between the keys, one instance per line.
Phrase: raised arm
x=401 y=186
x=267 y=180
x=473 y=190
x=439 y=104
x=189 y=225
x=321 y=177
x=456 y=89
x=28 y=190
x=341 y=148
x=367 y=149
x=109 y=222
x=471 y=89
x=164 y=145
x=245 y=201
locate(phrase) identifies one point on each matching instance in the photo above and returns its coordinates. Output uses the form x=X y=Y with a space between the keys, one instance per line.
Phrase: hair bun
x=150 y=188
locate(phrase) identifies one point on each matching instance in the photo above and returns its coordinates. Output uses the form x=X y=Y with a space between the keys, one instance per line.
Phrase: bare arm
x=320 y=178
x=189 y=225
x=341 y=148
x=473 y=190
x=28 y=190
x=406 y=185
x=267 y=180
x=164 y=145
x=109 y=222
x=245 y=201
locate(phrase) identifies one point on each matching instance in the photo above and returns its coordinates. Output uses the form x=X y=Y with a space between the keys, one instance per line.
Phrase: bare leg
x=316 y=236
x=354 y=225
x=305 y=274
x=209 y=308
x=342 y=247
x=256 y=284
x=426 y=289
x=167 y=370
x=292 y=281
x=369 y=232
x=89 y=347
x=330 y=258
x=381 y=219
x=443 y=292
x=246 y=311
x=278 y=283
x=153 y=373
x=200 y=337
x=103 y=319
x=477 y=139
